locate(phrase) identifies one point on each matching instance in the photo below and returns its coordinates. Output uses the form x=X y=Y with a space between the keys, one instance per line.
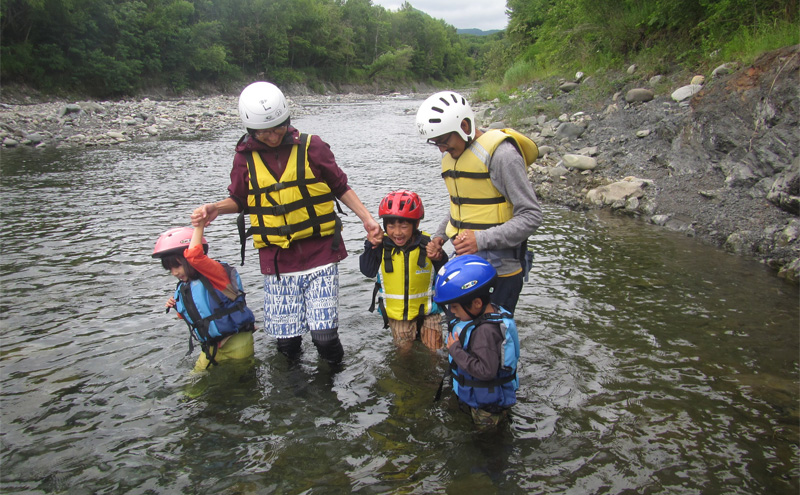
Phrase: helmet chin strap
x=474 y=317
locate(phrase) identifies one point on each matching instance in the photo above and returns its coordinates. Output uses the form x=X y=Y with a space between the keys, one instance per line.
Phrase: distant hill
x=477 y=32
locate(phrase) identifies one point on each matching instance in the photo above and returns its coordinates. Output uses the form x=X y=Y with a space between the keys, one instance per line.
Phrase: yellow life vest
x=474 y=201
x=297 y=206
x=406 y=280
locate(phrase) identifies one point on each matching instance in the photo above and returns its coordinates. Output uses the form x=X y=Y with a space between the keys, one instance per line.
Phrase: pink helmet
x=174 y=241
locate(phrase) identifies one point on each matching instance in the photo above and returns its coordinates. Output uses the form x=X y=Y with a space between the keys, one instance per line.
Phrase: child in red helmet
x=209 y=297
x=405 y=274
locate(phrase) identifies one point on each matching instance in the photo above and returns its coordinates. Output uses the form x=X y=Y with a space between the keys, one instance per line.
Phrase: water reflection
x=650 y=362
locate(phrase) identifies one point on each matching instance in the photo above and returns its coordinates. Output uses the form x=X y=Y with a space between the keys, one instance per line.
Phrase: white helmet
x=262 y=105
x=442 y=113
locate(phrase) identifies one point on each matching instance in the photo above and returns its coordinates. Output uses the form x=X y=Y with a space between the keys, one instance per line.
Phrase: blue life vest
x=210 y=314
x=500 y=392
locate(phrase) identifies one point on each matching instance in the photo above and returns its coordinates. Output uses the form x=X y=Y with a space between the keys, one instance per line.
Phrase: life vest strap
x=477 y=201
x=279 y=209
x=224 y=312
x=375 y=291
x=287 y=230
x=283 y=185
x=243 y=234
x=465 y=175
x=420 y=319
x=383 y=313
x=496 y=382
x=472 y=225
x=388 y=264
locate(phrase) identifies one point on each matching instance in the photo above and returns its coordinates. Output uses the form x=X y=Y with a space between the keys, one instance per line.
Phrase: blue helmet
x=464 y=277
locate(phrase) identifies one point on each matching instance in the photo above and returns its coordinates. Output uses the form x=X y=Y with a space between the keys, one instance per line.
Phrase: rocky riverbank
x=718 y=159
x=107 y=123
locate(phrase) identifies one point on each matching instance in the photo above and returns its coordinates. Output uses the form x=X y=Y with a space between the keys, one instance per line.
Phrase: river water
x=651 y=363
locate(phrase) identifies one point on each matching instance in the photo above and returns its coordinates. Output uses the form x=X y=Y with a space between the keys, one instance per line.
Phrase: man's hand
x=465 y=243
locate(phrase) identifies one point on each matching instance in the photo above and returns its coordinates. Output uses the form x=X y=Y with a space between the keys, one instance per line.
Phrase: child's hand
x=170 y=302
x=374 y=233
x=452 y=339
x=434 y=249
x=203 y=215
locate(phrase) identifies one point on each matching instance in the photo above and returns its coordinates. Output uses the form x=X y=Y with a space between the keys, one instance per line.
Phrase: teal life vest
x=500 y=392
x=210 y=314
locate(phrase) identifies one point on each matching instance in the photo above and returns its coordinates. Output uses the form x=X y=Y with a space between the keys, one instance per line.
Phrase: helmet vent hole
x=444 y=101
x=435 y=121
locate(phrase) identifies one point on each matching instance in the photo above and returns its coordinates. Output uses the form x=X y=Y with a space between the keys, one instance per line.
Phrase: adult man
x=288 y=182
x=493 y=208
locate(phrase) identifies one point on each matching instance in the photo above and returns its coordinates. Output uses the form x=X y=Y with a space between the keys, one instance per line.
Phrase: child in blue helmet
x=482 y=341
x=209 y=297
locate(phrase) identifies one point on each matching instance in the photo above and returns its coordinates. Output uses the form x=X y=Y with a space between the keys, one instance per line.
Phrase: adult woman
x=289 y=183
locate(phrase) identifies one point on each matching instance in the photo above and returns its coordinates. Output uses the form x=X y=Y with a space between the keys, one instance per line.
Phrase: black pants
x=506 y=292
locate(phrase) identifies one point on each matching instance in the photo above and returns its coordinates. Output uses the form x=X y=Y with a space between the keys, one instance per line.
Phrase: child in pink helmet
x=209 y=297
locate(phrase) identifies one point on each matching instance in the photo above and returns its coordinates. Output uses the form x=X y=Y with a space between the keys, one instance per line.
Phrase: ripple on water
x=647 y=364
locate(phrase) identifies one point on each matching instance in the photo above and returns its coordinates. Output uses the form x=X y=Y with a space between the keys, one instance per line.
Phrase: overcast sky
x=463 y=14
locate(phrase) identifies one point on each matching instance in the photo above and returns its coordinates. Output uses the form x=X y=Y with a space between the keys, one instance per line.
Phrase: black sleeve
x=438 y=264
x=370 y=260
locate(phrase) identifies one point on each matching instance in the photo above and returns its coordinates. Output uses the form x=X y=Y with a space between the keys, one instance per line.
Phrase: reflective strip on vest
x=408 y=285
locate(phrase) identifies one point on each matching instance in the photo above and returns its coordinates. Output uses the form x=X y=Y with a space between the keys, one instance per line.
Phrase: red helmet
x=174 y=241
x=401 y=204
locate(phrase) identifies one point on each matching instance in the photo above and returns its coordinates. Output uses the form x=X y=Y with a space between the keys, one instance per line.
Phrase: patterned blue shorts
x=296 y=304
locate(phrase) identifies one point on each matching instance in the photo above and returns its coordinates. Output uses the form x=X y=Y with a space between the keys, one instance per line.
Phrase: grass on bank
x=544 y=70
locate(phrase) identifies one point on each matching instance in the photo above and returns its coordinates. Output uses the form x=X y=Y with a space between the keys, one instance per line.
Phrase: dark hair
x=286 y=122
x=387 y=220
x=176 y=260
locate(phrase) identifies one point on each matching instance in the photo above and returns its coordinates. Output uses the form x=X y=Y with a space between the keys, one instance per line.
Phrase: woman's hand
x=204 y=215
x=374 y=232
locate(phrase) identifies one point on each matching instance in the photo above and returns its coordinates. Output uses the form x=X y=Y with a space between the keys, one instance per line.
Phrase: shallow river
x=651 y=363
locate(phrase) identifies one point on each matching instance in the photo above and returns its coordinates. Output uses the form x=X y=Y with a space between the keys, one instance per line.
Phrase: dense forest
x=108 y=48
